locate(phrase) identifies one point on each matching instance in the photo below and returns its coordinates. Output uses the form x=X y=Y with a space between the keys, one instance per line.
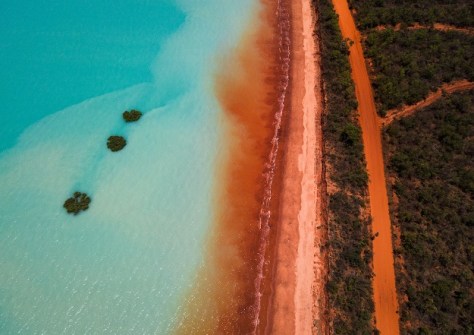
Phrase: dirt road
x=385 y=295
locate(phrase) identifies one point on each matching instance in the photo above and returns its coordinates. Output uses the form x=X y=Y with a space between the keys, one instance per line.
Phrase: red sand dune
x=385 y=295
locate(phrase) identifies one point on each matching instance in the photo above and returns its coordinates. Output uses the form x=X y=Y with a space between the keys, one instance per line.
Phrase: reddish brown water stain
x=227 y=296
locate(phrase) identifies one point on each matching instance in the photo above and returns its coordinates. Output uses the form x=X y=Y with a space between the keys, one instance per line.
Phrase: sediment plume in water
x=251 y=87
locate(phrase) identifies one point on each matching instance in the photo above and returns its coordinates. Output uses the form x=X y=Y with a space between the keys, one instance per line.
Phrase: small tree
x=116 y=143
x=132 y=116
x=351 y=135
x=77 y=203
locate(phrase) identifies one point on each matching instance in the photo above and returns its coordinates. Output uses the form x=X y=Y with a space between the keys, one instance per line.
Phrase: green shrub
x=408 y=64
x=351 y=135
x=77 y=203
x=116 y=143
x=132 y=116
x=430 y=154
x=372 y=13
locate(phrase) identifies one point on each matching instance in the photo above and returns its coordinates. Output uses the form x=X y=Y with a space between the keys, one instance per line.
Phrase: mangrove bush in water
x=132 y=116
x=116 y=143
x=77 y=203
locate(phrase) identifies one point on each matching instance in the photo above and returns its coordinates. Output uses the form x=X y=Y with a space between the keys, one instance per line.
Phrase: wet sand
x=398 y=113
x=298 y=285
x=385 y=295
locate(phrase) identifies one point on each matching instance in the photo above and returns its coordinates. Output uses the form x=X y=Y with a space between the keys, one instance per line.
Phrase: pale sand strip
x=298 y=264
x=310 y=283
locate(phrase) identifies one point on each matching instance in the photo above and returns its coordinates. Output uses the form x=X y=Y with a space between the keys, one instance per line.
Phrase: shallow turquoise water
x=125 y=265
x=59 y=53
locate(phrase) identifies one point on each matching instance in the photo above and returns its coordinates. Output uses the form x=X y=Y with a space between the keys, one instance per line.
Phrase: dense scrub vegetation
x=371 y=13
x=430 y=156
x=349 y=246
x=77 y=203
x=408 y=64
x=116 y=143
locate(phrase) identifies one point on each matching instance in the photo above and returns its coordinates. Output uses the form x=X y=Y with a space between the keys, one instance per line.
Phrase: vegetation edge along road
x=421 y=66
x=385 y=294
x=349 y=246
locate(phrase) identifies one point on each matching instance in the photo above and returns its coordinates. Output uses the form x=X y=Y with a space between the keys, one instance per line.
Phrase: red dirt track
x=385 y=294
x=436 y=26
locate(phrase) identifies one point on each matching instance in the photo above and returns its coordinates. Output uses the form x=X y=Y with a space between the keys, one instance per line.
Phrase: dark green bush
x=132 y=116
x=116 y=143
x=351 y=135
x=77 y=203
x=431 y=157
x=408 y=64
x=372 y=13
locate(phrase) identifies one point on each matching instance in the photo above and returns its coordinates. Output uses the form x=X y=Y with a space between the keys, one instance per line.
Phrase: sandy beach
x=298 y=299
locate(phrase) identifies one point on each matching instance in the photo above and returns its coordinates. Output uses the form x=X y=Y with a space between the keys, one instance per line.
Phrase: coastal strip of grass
x=430 y=159
x=349 y=244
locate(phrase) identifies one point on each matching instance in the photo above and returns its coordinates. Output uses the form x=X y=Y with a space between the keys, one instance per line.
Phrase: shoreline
x=268 y=264
x=298 y=286
x=230 y=295
x=280 y=257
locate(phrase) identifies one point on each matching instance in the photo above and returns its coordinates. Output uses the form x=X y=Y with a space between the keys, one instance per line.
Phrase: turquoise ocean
x=69 y=69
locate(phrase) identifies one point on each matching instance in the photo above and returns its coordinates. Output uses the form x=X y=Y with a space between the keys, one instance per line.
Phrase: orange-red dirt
x=385 y=294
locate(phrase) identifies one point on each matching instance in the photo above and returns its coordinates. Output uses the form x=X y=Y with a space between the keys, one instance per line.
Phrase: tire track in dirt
x=435 y=26
x=398 y=113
